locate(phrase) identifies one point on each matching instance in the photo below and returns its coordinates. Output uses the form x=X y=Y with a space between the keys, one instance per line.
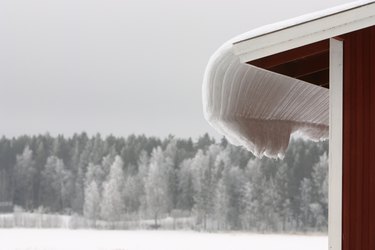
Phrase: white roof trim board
x=259 y=109
x=303 y=30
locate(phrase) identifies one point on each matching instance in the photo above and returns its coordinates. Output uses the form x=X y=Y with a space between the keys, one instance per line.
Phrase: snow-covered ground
x=62 y=239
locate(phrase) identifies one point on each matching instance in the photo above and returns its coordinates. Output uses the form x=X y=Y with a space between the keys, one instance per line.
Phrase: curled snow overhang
x=260 y=108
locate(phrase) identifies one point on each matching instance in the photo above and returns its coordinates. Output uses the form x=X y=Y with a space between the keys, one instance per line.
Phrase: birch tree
x=157 y=184
x=24 y=175
x=112 y=205
x=91 y=207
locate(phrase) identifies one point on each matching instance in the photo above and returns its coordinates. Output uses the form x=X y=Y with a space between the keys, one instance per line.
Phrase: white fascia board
x=335 y=144
x=305 y=33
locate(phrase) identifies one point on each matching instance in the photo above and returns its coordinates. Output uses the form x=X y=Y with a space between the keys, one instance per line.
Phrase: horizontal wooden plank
x=291 y=55
x=320 y=78
x=304 y=66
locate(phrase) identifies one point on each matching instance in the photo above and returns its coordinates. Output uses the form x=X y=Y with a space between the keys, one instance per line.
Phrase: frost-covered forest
x=145 y=182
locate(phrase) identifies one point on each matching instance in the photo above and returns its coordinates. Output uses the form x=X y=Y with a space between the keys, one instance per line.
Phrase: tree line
x=219 y=186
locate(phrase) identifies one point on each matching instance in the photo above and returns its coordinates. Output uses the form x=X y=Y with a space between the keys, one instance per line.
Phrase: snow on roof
x=306 y=29
x=259 y=109
x=300 y=20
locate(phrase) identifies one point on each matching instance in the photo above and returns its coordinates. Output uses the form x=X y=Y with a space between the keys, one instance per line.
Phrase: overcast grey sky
x=118 y=66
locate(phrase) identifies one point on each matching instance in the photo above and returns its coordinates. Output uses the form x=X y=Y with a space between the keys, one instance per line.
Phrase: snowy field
x=61 y=239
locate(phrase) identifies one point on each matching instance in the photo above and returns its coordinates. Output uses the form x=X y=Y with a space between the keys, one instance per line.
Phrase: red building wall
x=359 y=141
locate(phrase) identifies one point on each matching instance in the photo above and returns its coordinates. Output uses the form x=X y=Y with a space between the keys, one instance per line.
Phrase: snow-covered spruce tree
x=95 y=172
x=91 y=207
x=143 y=167
x=251 y=208
x=133 y=192
x=185 y=186
x=108 y=160
x=171 y=152
x=157 y=184
x=320 y=182
x=97 y=151
x=57 y=185
x=229 y=182
x=41 y=156
x=270 y=211
x=112 y=205
x=78 y=196
x=253 y=195
x=24 y=175
x=221 y=205
x=306 y=201
x=235 y=189
x=283 y=202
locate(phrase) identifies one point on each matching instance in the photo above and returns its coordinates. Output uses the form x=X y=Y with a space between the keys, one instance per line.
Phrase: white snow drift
x=259 y=109
x=60 y=239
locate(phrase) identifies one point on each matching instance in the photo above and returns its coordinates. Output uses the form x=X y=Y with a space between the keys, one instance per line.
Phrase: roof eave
x=305 y=33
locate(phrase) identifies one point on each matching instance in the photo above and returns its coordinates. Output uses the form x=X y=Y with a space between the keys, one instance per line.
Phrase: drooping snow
x=259 y=109
x=60 y=239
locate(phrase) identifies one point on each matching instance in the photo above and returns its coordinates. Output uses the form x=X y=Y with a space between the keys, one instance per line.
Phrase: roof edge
x=300 y=31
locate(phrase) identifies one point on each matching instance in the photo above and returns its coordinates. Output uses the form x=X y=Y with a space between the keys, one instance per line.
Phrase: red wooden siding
x=359 y=141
